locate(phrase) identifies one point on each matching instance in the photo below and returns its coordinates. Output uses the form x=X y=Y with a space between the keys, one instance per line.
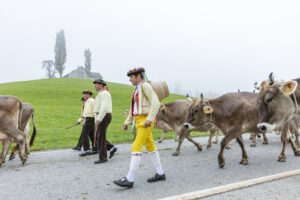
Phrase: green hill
x=57 y=105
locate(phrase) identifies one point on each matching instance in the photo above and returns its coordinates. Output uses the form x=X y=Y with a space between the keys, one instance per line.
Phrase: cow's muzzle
x=266 y=127
x=187 y=126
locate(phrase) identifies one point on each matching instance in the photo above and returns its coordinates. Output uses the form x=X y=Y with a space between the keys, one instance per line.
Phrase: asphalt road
x=62 y=174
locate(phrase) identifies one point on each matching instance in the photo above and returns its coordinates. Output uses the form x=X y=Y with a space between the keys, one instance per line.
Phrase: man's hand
x=147 y=123
x=97 y=123
x=125 y=127
x=77 y=123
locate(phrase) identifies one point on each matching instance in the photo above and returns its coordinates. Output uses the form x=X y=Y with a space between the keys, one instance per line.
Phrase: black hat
x=136 y=71
x=87 y=92
x=100 y=81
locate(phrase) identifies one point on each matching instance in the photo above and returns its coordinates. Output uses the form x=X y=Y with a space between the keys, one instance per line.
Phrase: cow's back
x=238 y=109
x=10 y=112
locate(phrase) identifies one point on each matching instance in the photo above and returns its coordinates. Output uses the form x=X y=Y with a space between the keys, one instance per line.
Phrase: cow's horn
x=256 y=86
x=201 y=97
x=271 y=79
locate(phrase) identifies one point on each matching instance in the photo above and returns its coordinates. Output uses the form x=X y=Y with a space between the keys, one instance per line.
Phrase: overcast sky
x=212 y=46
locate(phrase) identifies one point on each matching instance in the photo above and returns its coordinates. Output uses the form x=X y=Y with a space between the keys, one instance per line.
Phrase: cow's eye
x=196 y=110
x=269 y=100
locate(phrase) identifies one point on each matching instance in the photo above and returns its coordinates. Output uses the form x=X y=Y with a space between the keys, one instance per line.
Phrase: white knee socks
x=156 y=162
x=134 y=165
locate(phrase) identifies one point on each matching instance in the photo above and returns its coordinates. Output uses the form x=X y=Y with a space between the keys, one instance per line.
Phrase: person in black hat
x=144 y=108
x=103 y=110
x=81 y=119
x=88 y=126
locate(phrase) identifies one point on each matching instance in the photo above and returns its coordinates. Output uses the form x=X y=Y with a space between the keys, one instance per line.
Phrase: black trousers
x=79 y=144
x=87 y=133
x=103 y=144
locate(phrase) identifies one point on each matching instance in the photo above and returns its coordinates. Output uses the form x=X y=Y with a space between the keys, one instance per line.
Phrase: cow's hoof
x=199 y=148
x=252 y=145
x=175 y=154
x=297 y=153
x=208 y=146
x=159 y=141
x=228 y=147
x=176 y=140
x=265 y=142
x=215 y=142
x=24 y=161
x=244 y=161
x=222 y=164
x=12 y=156
x=281 y=158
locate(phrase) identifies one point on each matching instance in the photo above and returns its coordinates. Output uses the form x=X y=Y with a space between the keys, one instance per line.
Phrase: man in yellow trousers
x=145 y=105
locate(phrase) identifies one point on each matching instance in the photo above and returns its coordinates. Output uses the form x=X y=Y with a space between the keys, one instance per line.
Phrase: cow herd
x=274 y=108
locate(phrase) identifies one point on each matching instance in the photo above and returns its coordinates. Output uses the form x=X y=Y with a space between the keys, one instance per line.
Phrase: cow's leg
x=265 y=141
x=26 y=133
x=295 y=128
x=251 y=136
x=253 y=142
x=228 y=137
x=217 y=137
x=189 y=137
x=284 y=140
x=244 y=160
x=176 y=138
x=182 y=135
x=228 y=146
x=5 y=147
x=20 y=139
x=293 y=144
x=14 y=152
x=209 y=143
x=162 y=136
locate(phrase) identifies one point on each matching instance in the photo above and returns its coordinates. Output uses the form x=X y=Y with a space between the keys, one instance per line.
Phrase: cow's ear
x=289 y=87
x=162 y=107
x=208 y=109
x=264 y=85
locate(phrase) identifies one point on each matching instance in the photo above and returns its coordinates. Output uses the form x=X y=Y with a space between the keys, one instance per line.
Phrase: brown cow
x=232 y=113
x=27 y=113
x=175 y=114
x=10 y=122
x=278 y=104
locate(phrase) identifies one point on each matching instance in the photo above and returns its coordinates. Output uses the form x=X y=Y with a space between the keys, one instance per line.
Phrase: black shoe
x=123 y=182
x=157 y=177
x=86 y=153
x=112 y=153
x=100 y=161
x=77 y=148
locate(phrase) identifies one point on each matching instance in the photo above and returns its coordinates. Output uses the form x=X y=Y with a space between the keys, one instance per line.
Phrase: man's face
x=98 y=86
x=135 y=80
x=86 y=96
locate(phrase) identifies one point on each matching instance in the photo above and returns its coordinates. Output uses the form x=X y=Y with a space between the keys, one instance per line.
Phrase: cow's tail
x=34 y=130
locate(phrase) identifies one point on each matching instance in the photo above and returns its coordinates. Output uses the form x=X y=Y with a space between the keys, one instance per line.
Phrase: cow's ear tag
x=289 y=87
x=208 y=109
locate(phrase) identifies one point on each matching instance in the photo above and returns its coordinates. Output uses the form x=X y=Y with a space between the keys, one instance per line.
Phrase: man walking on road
x=88 y=124
x=145 y=105
x=103 y=110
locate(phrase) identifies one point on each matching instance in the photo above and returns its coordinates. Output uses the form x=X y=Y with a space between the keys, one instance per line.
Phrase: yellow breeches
x=143 y=136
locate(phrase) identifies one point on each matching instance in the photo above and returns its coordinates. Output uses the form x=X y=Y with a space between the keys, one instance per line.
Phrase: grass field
x=57 y=105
